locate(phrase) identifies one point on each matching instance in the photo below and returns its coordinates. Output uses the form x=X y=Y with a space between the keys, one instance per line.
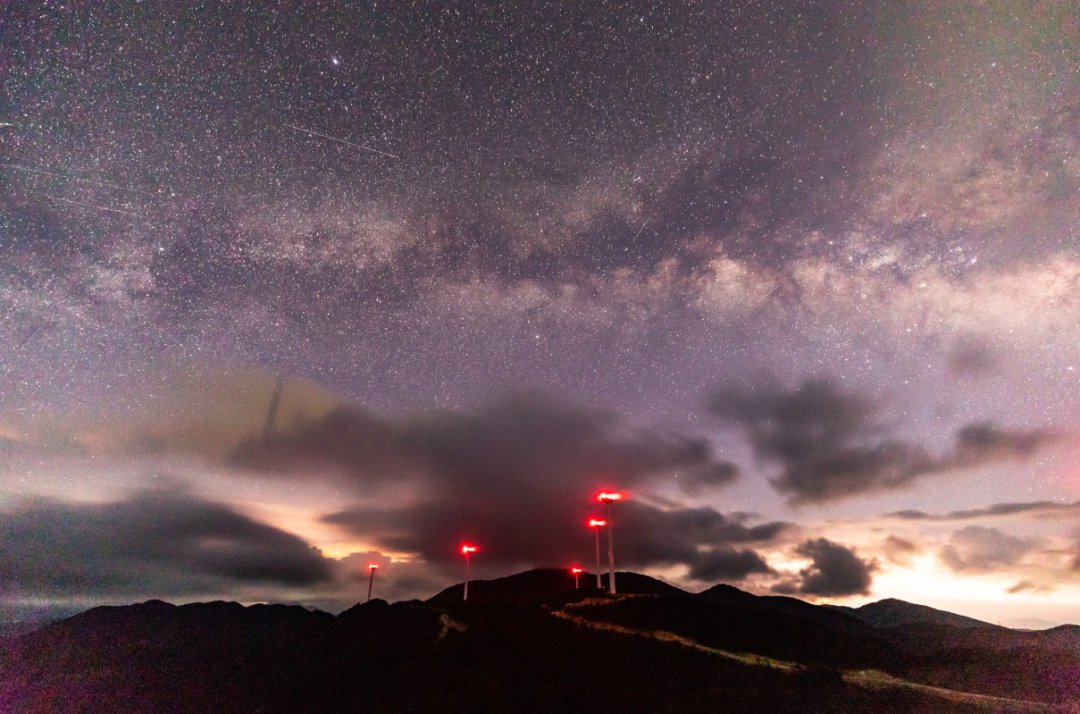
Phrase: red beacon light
x=576 y=571
x=597 y=523
x=467 y=550
x=608 y=497
x=372 y=567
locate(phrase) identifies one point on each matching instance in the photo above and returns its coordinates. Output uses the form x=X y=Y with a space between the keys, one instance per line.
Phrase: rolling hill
x=531 y=642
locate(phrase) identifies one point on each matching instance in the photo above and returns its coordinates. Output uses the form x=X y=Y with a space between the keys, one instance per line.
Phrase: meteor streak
x=27 y=169
x=342 y=141
x=94 y=206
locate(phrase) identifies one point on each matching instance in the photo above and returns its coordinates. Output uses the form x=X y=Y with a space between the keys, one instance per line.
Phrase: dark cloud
x=349 y=440
x=786 y=586
x=727 y=564
x=154 y=543
x=549 y=529
x=826 y=439
x=971 y=358
x=995 y=510
x=836 y=570
x=1030 y=586
x=985 y=442
x=651 y=536
x=516 y=475
x=721 y=475
x=899 y=550
x=911 y=515
x=521 y=443
x=979 y=549
x=831 y=445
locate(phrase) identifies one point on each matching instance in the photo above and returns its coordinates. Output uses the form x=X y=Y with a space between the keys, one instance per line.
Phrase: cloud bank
x=153 y=543
x=835 y=571
x=517 y=475
x=831 y=444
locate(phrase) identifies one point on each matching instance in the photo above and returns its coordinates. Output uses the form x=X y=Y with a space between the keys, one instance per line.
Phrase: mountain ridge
x=526 y=638
x=892 y=612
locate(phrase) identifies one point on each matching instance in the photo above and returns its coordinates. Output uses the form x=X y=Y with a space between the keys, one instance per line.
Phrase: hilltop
x=531 y=642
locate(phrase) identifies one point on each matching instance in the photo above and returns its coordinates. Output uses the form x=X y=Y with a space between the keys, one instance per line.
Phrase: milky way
x=800 y=268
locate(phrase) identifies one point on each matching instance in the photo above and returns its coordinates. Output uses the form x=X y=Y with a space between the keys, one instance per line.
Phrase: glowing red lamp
x=596 y=524
x=609 y=496
x=372 y=567
x=467 y=550
x=577 y=573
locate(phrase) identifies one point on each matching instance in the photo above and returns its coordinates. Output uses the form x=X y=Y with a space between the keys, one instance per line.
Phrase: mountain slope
x=531 y=642
x=549 y=585
x=390 y=658
x=755 y=628
x=837 y=618
x=894 y=613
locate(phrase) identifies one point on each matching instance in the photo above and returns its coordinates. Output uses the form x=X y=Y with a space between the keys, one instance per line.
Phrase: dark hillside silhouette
x=528 y=643
x=550 y=585
x=892 y=613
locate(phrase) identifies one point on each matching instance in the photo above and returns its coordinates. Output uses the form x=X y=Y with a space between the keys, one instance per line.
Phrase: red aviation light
x=575 y=570
x=597 y=523
x=608 y=497
x=373 y=566
x=466 y=549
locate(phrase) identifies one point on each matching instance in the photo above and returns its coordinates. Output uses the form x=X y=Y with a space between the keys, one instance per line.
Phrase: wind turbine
x=607 y=498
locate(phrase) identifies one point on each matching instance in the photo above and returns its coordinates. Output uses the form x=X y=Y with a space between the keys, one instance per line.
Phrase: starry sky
x=801 y=277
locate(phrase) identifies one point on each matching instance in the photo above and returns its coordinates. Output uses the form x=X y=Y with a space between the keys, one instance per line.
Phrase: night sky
x=802 y=278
